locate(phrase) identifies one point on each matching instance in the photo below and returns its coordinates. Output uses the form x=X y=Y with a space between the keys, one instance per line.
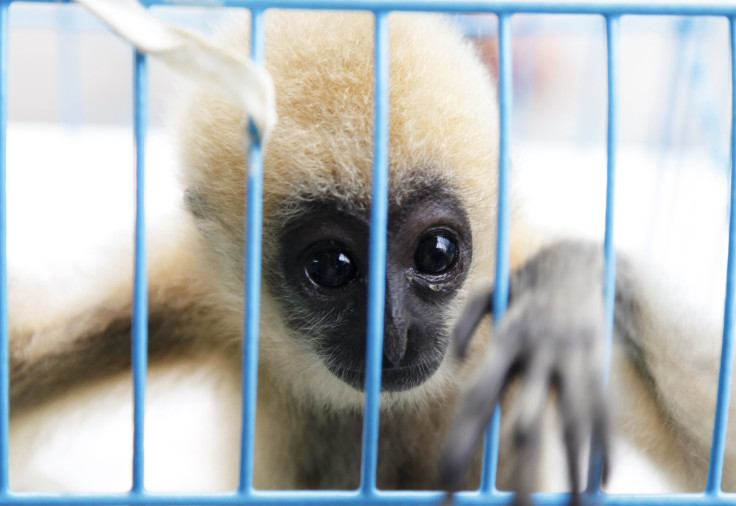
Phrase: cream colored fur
x=443 y=119
x=322 y=67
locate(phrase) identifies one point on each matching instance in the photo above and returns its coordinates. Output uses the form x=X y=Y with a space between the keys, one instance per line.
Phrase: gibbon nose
x=394 y=347
x=396 y=330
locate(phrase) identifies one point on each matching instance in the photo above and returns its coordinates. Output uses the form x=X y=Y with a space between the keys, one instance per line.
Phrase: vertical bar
x=377 y=258
x=4 y=357
x=609 y=252
x=501 y=289
x=715 y=471
x=253 y=234
x=140 y=286
x=595 y=466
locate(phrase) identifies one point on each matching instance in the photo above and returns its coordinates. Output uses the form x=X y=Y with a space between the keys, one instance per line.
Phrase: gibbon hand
x=550 y=339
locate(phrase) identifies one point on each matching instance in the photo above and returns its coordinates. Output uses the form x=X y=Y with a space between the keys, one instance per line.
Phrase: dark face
x=321 y=284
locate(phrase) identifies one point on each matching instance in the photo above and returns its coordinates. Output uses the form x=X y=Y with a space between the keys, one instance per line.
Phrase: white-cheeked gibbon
x=443 y=158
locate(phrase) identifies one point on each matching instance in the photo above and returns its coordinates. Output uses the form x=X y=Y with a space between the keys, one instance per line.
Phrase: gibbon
x=443 y=158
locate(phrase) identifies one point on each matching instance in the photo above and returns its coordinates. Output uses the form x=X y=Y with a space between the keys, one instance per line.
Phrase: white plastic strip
x=235 y=78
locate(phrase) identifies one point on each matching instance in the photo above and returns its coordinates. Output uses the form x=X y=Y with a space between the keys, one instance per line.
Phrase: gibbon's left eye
x=436 y=253
x=330 y=268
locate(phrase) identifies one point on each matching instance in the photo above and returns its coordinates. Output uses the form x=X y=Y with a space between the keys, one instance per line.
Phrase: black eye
x=331 y=268
x=435 y=254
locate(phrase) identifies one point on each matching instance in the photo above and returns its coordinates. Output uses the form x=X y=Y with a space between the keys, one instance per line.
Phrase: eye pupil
x=435 y=254
x=331 y=268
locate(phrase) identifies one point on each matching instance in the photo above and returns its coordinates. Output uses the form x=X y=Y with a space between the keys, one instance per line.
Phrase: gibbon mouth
x=393 y=379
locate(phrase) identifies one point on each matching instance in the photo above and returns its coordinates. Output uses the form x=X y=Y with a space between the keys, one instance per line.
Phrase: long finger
x=525 y=418
x=570 y=410
x=474 y=413
x=596 y=404
x=473 y=313
x=576 y=385
x=601 y=429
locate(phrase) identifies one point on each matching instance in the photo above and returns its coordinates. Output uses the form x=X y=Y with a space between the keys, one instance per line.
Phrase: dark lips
x=393 y=379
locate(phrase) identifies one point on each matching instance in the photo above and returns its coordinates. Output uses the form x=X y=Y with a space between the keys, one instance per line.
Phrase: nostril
x=386 y=363
x=393 y=355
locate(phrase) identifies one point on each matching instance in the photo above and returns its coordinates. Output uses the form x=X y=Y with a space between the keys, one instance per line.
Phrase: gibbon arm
x=551 y=340
x=48 y=357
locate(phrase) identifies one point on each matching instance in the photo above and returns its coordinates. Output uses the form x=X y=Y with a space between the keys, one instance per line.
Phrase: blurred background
x=70 y=179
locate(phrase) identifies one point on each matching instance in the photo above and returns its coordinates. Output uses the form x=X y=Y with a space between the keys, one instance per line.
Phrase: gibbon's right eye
x=331 y=267
x=436 y=254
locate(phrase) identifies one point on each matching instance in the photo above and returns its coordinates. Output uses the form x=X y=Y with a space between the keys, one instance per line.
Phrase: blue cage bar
x=367 y=492
x=4 y=357
x=715 y=472
x=377 y=255
x=140 y=287
x=253 y=233
x=501 y=290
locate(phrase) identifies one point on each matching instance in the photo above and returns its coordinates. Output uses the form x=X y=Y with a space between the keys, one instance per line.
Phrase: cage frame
x=368 y=493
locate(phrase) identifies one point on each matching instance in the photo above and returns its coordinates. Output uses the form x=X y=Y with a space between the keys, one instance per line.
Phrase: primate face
x=316 y=201
x=322 y=282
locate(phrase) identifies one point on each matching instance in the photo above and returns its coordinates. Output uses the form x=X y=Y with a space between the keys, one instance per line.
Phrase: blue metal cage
x=368 y=493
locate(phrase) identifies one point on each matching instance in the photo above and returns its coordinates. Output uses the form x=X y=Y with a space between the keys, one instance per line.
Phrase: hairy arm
x=664 y=369
x=53 y=353
x=668 y=353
